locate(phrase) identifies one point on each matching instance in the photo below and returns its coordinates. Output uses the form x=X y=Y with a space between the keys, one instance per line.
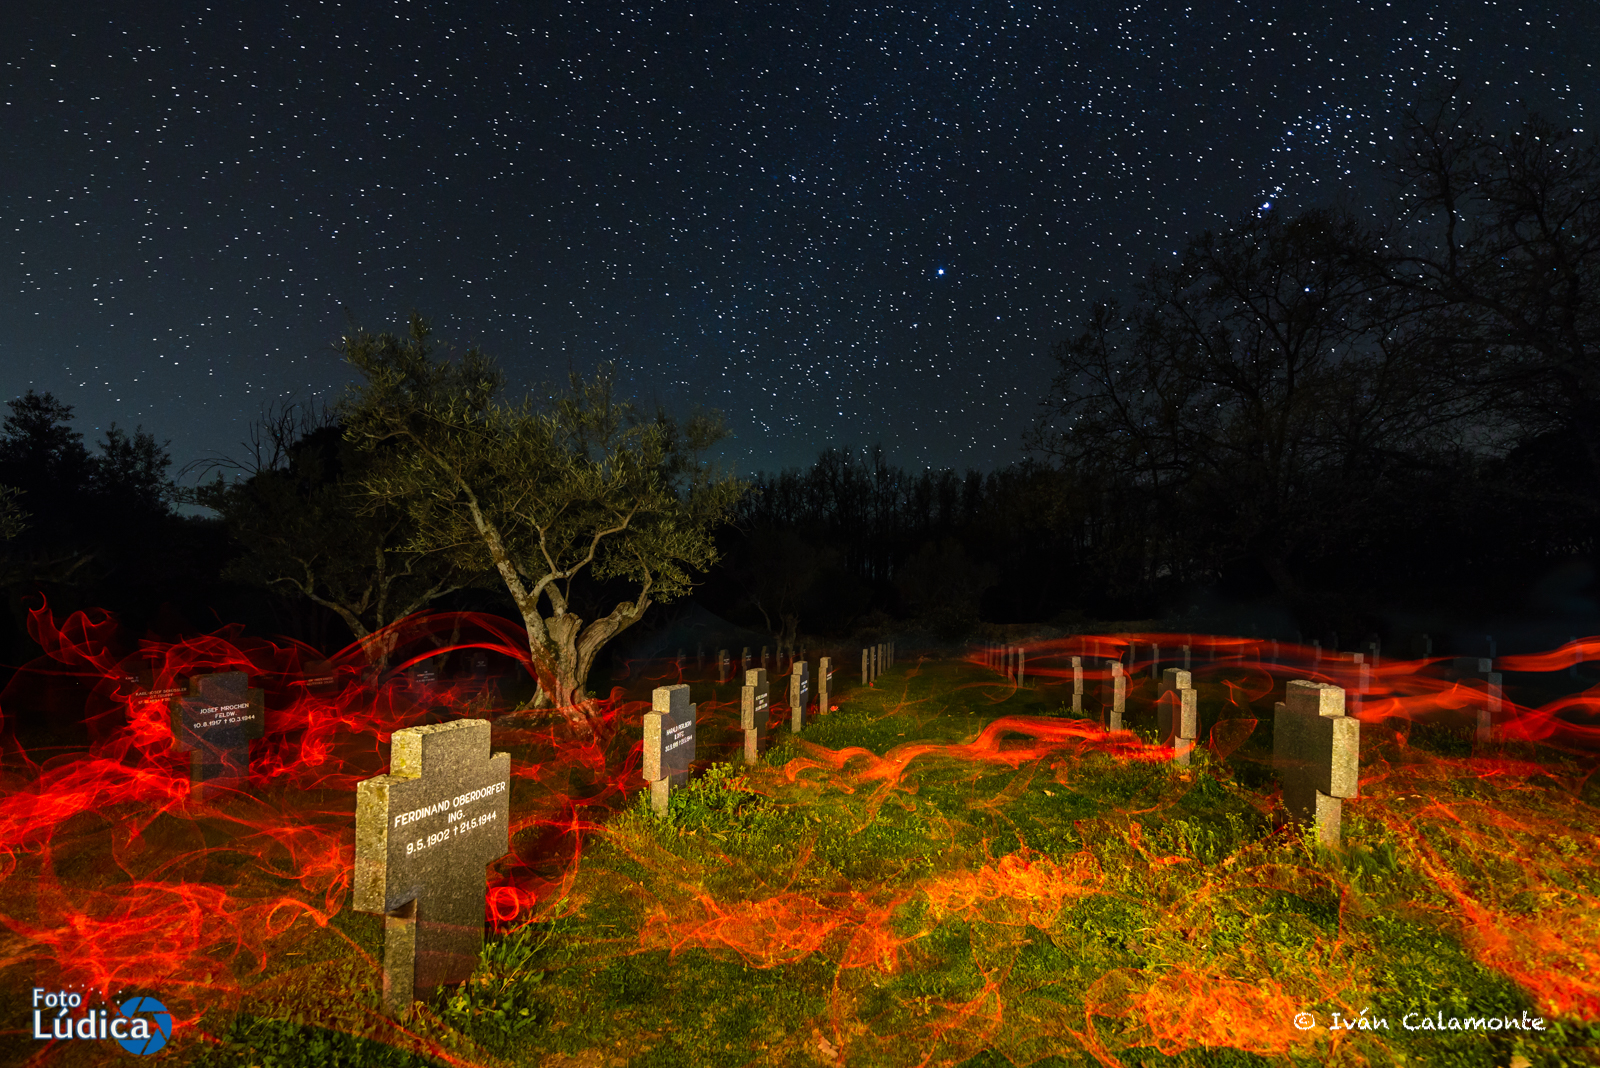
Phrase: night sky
x=840 y=224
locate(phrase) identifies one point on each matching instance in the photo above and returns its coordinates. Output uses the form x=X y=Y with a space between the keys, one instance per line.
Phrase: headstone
x=215 y=723
x=763 y=658
x=424 y=833
x=1178 y=714
x=422 y=681
x=1363 y=682
x=866 y=667
x=320 y=678
x=722 y=666
x=753 y=713
x=668 y=742
x=799 y=695
x=1155 y=660
x=1316 y=752
x=480 y=667
x=824 y=684
x=1077 y=684
x=744 y=659
x=139 y=687
x=875 y=669
x=1022 y=665
x=1482 y=669
x=1113 y=696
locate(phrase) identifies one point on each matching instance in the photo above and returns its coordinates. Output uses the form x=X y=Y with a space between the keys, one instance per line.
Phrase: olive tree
x=581 y=487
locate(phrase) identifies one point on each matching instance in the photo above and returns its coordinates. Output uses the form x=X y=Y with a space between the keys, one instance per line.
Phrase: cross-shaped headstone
x=139 y=686
x=1113 y=696
x=753 y=713
x=668 y=742
x=1316 y=751
x=215 y=723
x=1177 y=713
x=424 y=833
x=320 y=678
x=422 y=681
x=799 y=695
x=1481 y=669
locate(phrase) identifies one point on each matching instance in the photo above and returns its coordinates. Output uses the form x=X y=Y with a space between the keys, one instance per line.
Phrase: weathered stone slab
x=1178 y=713
x=753 y=713
x=669 y=735
x=1077 y=684
x=424 y=833
x=215 y=722
x=1316 y=752
x=799 y=695
x=1113 y=696
x=824 y=684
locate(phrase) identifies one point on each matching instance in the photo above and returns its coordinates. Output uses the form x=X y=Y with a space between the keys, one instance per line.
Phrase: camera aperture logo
x=139 y=1025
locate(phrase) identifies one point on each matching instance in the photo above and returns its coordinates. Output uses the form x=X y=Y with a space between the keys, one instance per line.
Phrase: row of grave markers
x=426 y=830
x=875 y=660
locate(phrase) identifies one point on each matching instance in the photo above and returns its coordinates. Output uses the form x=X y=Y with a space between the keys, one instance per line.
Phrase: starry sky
x=838 y=223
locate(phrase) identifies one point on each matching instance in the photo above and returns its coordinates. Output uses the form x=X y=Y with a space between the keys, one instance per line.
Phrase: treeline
x=1332 y=415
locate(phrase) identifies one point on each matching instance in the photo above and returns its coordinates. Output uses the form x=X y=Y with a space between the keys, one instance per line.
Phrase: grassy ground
x=947 y=870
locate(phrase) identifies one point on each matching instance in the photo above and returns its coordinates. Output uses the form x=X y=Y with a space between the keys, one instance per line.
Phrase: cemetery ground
x=945 y=869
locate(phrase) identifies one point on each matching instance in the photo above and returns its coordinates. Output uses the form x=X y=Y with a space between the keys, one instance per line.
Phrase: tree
x=309 y=528
x=1497 y=237
x=1250 y=402
x=72 y=493
x=582 y=488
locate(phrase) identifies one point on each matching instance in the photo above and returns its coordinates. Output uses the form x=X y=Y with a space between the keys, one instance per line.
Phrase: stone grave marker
x=799 y=695
x=1316 y=751
x=424 y=833
x=215 y=723
x=824 y=684
x=876 y=671
x=744 y=659
x=1022 y=665
x=1113 y=696
x=753 y=713
x=1077 y=684
x=423 y=682
x=668 y=742
x=139 y=687
x=480 y=668
x=1178 y=714
x=1481 y=669
x=763 y=657
x=865 y=668
x=320 y=678
x=722 y=666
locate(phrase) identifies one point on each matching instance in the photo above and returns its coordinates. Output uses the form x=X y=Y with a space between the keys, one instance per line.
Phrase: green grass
x=982 y=910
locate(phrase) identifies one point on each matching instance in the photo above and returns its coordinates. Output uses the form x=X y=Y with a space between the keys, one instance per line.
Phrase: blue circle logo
x=160 y=1025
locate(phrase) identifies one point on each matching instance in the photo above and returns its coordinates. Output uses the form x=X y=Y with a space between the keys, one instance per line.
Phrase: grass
x=890 y=890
